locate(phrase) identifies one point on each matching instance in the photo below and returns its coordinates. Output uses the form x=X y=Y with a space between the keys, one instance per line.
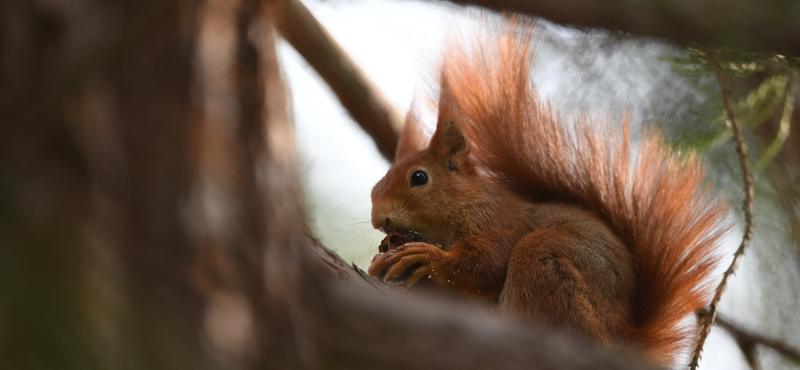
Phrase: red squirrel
x=567 y=224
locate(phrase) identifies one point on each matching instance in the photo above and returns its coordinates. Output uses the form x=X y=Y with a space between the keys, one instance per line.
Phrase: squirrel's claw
x=426 y=255
x=404 y=263
x=418 y=274
x=380 y=262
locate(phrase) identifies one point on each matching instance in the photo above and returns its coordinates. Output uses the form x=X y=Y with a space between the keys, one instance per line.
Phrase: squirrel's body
x=561 y=225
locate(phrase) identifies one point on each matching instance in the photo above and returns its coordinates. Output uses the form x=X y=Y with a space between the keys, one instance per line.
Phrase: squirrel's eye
x=419 y=178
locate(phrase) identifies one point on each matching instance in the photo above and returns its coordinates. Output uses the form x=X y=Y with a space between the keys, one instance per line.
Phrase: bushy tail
x=655 y=200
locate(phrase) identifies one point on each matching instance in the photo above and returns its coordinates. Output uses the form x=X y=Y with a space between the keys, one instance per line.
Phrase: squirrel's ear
x=449 y=146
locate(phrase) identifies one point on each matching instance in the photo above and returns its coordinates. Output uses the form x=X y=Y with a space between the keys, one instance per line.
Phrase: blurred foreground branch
x=757 y=25
x=366 y=104
x=748 y=341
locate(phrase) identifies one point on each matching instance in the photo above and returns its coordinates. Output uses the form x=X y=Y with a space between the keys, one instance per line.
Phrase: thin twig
x=365 y=102
x=747 y=175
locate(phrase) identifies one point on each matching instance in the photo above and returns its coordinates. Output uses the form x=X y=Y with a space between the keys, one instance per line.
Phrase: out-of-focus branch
x=417 y=332
x=747 y=341
x=366 y=104
x=745 y=337
x=368 y=331
x=761 y=25
x=339 y=268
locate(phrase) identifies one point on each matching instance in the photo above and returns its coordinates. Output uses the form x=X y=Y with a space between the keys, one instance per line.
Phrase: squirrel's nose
x=381 y=223
x=381 y=212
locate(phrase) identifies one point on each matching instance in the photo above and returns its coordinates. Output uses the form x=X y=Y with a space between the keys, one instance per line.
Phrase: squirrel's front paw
x=394 y=241
x=414 y=260
x=380 y=263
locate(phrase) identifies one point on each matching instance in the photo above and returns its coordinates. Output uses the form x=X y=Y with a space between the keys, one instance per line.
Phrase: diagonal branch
x=339 y=268
x=747 y=340
x=747 y=175
x=746 y=336
x=366 y=104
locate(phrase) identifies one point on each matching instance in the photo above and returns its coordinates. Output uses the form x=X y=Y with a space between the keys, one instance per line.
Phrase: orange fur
x=567 y=224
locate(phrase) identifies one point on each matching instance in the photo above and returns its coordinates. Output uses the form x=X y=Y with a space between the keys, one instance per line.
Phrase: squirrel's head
x=423 y=191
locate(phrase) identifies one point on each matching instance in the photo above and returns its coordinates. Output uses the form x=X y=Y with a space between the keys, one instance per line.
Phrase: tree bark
x=756 y=25
x=96 y=104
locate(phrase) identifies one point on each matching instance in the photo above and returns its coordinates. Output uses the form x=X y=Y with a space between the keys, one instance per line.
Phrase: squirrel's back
x=654 y=200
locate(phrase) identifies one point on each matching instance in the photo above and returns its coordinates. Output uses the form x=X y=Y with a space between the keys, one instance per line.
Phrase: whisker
x=341 y=190
x=425 y=224
x=366 y=250
x=357 y=223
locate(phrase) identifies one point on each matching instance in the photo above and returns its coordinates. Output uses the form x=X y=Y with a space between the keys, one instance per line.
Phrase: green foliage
x=738 y=63
x=764 y=88
x=775 y=77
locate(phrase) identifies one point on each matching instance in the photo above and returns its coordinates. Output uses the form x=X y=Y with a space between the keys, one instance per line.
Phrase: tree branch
x=746 y=340
x=369 y=330
x=366 y=104
x=340 y=269
x=746 y=336
x=760 y=25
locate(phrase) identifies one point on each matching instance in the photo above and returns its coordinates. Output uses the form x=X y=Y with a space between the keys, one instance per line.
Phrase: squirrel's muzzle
x=382 y=216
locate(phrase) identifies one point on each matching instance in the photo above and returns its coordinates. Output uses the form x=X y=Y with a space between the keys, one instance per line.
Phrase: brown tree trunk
x=97 y=106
